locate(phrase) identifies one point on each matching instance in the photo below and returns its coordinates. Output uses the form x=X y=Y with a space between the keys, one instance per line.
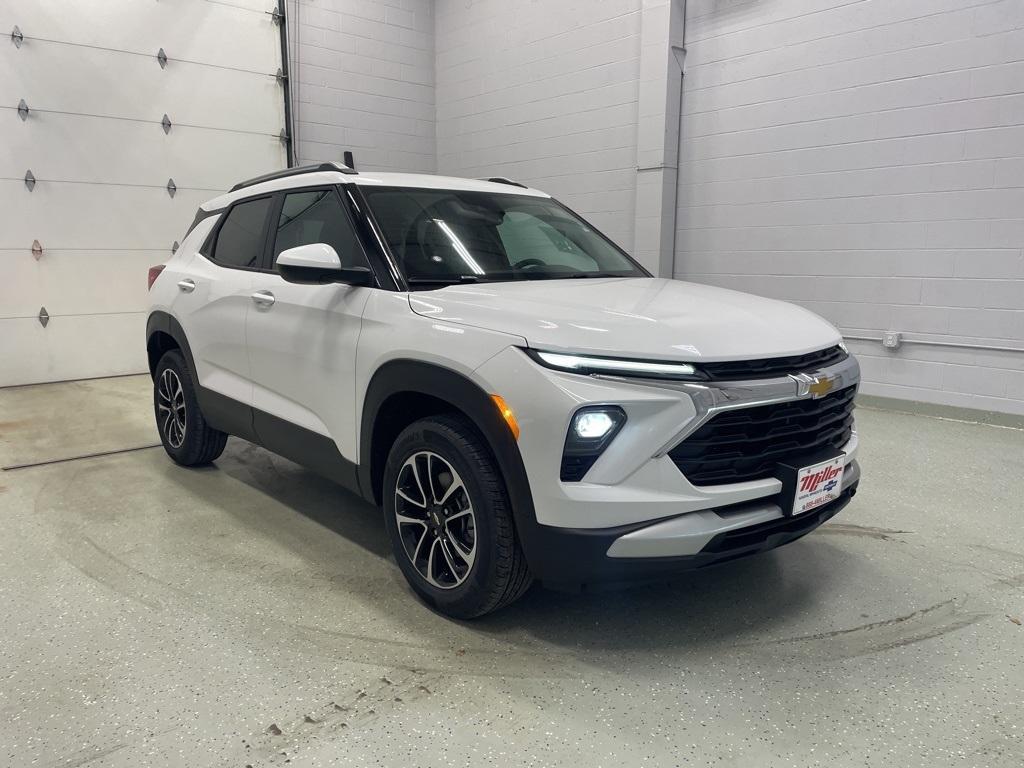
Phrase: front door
x=302 y=338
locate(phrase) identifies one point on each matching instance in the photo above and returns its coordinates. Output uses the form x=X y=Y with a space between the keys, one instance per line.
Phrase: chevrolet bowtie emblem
x=814 y=385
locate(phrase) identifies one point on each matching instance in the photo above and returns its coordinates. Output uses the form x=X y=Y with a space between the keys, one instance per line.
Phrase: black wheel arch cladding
x=443 y=386
x=163 y=333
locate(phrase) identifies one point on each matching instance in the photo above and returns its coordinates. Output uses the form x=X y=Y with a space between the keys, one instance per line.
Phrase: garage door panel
x=89 y=217
x=193 y=30
x=71 y=347
x=121 y=152
x=89 y=81
x=75 y=282
x=100 y=206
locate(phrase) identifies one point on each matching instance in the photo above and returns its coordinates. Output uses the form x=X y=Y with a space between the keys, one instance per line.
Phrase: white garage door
x=90 y=74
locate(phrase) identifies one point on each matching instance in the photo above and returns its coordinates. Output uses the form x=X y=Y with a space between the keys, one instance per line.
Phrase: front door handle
x=187 y=285
x=264 y=298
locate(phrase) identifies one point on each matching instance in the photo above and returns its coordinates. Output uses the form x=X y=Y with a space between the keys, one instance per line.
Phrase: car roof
x=367 y=179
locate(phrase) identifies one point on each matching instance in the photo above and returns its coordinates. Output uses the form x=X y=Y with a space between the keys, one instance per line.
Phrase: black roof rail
x=503 y=180
x=298 y=171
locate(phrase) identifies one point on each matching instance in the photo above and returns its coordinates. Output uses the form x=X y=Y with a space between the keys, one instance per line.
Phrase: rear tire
x=186 y=436
x=440 y=472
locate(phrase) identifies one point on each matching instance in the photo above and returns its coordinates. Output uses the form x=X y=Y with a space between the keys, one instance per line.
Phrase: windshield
x=444 y=236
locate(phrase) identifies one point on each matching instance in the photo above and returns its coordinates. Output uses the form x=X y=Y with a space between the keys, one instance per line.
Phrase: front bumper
x=571 y=559
x=635 y=514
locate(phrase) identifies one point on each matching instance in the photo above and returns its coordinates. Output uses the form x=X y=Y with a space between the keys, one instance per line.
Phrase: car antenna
x=350 y=161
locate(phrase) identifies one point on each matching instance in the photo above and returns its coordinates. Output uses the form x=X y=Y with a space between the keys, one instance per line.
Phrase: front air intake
x=747 y=443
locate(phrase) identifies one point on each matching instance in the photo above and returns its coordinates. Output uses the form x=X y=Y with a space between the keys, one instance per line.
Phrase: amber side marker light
x=507 y=415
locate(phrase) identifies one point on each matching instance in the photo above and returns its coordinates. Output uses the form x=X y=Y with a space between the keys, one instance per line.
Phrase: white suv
x=523 y=399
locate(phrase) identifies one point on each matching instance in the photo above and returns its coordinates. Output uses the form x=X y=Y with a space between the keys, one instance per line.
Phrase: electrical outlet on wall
x=892 y=339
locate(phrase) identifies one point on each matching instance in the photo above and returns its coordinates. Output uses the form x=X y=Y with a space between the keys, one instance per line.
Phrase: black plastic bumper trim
x=576 y=558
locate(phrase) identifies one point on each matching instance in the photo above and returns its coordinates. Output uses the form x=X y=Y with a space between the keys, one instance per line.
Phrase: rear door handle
x=187 y=285
x=264 y=298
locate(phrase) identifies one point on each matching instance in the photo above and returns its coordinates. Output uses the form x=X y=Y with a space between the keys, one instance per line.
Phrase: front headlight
x=616 y=366
x=591 y=429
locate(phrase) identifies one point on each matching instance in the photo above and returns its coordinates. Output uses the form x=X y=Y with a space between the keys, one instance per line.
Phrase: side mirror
x=317 y=264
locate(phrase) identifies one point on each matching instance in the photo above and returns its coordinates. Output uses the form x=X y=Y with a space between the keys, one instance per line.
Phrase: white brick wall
x=545 y=93
x=866 y=159
x=862 y=157
x=363 y=79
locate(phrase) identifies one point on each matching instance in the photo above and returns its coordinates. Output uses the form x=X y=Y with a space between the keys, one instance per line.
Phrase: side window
x=240 y=240
x=317 y=216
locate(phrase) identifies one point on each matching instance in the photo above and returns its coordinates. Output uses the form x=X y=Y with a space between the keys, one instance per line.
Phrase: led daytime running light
x=613 y=365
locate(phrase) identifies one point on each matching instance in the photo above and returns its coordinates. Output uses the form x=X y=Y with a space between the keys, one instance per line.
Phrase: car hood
x=632 y=317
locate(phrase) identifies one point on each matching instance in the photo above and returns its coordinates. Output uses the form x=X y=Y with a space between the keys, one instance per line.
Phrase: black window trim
x=374 y=242
x=201 y=215
x=275 y=216
x=209 y=249
x=377 y=262
x=384 y=272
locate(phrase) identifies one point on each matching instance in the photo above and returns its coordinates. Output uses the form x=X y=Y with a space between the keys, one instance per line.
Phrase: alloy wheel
x=170 y=404
x=435 y=517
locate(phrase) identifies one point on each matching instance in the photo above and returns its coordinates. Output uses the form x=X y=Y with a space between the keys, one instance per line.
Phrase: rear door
x=215 y=295
x=302 y=338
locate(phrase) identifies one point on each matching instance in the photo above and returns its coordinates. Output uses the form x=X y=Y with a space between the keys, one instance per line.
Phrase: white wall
x=545 y=93
x=363 y=79
x=866 y=160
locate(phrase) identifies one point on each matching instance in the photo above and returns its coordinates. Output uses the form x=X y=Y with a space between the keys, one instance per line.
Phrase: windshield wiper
x=508 y=276
x=581 y=275
x=567 y=275
x=451 y=280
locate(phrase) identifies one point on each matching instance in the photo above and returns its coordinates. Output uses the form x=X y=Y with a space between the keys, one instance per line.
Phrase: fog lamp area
x=591 y=430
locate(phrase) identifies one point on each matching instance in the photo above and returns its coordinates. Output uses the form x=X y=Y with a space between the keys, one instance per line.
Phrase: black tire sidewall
x=192 y=448
x=468 y=599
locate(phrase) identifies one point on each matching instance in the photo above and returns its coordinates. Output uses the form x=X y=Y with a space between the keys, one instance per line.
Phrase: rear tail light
x=154 y=273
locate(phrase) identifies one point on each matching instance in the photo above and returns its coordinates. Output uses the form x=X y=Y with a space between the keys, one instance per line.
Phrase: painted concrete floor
x=250 y=614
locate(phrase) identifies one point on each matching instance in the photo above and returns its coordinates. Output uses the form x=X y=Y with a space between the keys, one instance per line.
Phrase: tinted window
x=318 y=216
x=240 y=240
x=448 y=235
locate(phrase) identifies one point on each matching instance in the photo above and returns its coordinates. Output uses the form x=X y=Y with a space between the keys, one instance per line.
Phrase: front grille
x=747 y=443
x=773 y=366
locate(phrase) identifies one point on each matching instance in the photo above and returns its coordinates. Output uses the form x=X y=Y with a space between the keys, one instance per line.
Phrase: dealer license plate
x=818 y=484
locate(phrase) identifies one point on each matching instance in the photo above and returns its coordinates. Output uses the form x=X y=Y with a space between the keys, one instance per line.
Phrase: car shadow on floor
x=733 y=603
x=307 y=493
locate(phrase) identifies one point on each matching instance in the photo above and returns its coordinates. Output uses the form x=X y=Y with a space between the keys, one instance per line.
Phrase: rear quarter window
x=241 y=237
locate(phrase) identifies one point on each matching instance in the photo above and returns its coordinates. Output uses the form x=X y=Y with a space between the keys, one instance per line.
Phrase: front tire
x=186 y=436
x=450 y=521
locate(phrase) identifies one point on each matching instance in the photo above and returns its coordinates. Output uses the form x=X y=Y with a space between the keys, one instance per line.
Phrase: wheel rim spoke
x=171 y=412
x=433 y=512
x=430 y=564
x=419 y=544
x=443 y=546
x=468 y=512
x=456 y=485
x=412 y=501
x=468 y=556
x=434 y=497
x=406 y=520
x=413 y=466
